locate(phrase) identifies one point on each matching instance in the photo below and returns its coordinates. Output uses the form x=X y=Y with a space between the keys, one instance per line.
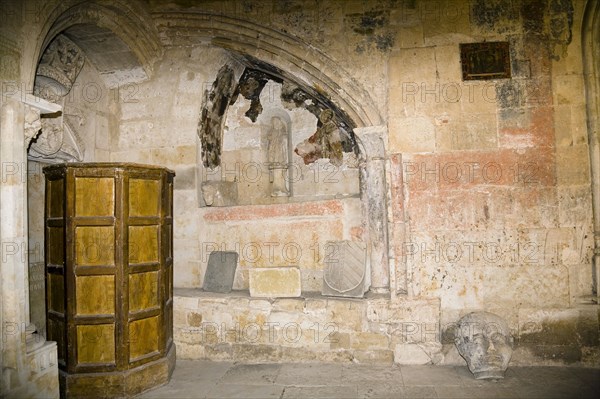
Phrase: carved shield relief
x=345 y=269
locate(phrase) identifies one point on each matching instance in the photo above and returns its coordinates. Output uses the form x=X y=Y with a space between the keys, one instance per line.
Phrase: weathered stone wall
x=87 y=108
x=495 y=173
x=314 y=328
x=489 y=198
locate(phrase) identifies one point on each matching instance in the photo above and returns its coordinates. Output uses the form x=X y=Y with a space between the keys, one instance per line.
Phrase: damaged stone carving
x=32 y=124
x=219 y=193
x=250 y=86
x=58 y=141
x=210 y=129
x=483 y=339
x=62 y=61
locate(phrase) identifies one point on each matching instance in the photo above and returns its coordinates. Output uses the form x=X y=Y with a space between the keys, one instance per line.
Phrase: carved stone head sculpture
x=484 y=340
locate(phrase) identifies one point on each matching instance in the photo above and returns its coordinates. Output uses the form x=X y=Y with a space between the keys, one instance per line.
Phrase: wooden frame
x=485 y=61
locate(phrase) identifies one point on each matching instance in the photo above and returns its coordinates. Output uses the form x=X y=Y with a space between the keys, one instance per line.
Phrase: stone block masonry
x=275 y=282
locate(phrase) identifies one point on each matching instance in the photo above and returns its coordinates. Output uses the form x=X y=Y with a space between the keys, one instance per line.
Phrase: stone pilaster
x=374 y=194
x=21 y=347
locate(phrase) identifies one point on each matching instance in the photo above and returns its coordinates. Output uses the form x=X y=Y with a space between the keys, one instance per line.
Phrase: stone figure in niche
x=483 y=339
x=277 y=157
x=325 y=143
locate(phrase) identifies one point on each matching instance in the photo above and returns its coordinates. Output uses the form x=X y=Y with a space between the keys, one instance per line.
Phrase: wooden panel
x=56 y=245
x=115 y=240
x=143 y=291
x=144 y=197
x=56 y=290
x=168 y=244
x=96 y=343
x=94 y=196
x=94 y=245
x=143 y=337
x=56 y=332
x=55 y=196
x=143 y=244
x=95 y=295
x=169 y=281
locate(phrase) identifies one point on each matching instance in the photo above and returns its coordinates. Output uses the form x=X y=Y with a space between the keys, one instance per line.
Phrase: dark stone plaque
x=220 y=271
x=485 y=61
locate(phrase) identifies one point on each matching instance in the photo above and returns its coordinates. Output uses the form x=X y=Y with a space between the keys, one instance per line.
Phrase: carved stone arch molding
x=591 y=68
x=69 y=35
x=305 y=65
x=128 y=20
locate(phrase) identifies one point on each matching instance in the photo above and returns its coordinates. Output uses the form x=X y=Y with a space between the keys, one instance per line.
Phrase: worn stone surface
x=484 y=340
x=410 y=354
x=482 y=188
x=219 y=193
x=220 y=271
x=203 y=379
x=345 y=271
x=275 y=282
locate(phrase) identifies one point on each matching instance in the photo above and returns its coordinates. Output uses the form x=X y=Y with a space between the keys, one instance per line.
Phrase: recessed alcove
x=390 y=74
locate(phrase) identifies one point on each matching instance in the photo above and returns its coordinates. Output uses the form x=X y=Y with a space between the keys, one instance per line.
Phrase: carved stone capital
x=371 y=141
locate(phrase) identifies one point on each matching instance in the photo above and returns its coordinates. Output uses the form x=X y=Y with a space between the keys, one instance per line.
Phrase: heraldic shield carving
x=345 y=269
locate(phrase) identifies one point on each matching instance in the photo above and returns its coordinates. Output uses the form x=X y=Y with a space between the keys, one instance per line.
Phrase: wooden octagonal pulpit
x=109 y=276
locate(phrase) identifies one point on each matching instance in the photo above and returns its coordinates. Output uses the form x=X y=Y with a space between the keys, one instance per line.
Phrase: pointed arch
x=298 y=61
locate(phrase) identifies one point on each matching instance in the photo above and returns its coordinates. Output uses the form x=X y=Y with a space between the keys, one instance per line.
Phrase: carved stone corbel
x=32 y=125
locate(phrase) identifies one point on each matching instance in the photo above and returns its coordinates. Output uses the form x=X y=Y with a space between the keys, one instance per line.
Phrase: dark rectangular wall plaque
x=485 y=61
x=220 y=271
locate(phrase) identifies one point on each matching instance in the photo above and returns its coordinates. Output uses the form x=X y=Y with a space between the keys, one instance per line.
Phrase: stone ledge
x=309 y=328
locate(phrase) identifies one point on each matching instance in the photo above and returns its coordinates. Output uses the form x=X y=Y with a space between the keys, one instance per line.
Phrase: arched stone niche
x=245 y=158
x=269 y=159
x=288 y=58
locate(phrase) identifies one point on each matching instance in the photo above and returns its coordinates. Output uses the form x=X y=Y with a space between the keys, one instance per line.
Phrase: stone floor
x=204 y=379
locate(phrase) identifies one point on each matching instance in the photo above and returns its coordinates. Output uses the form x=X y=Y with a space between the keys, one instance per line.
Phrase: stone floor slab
x=430 y=375
x=331 y=392
x=310 y=374
x=359 y=373
x=233 y=391
x=251 y=374
x=205 y=379
x=387 y=391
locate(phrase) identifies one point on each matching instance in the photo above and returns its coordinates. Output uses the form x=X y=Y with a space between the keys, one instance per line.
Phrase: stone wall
x=313 y=328
x=488 y=181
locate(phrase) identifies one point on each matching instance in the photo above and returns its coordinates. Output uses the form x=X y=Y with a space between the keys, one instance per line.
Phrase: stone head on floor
x=484 y=340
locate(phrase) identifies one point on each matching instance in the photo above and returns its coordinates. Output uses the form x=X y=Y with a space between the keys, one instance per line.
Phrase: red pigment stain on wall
x=260 y=212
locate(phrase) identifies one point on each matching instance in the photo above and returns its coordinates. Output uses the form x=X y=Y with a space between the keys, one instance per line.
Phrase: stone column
x=373 y=195
x=19 y=123
x=13 y=239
